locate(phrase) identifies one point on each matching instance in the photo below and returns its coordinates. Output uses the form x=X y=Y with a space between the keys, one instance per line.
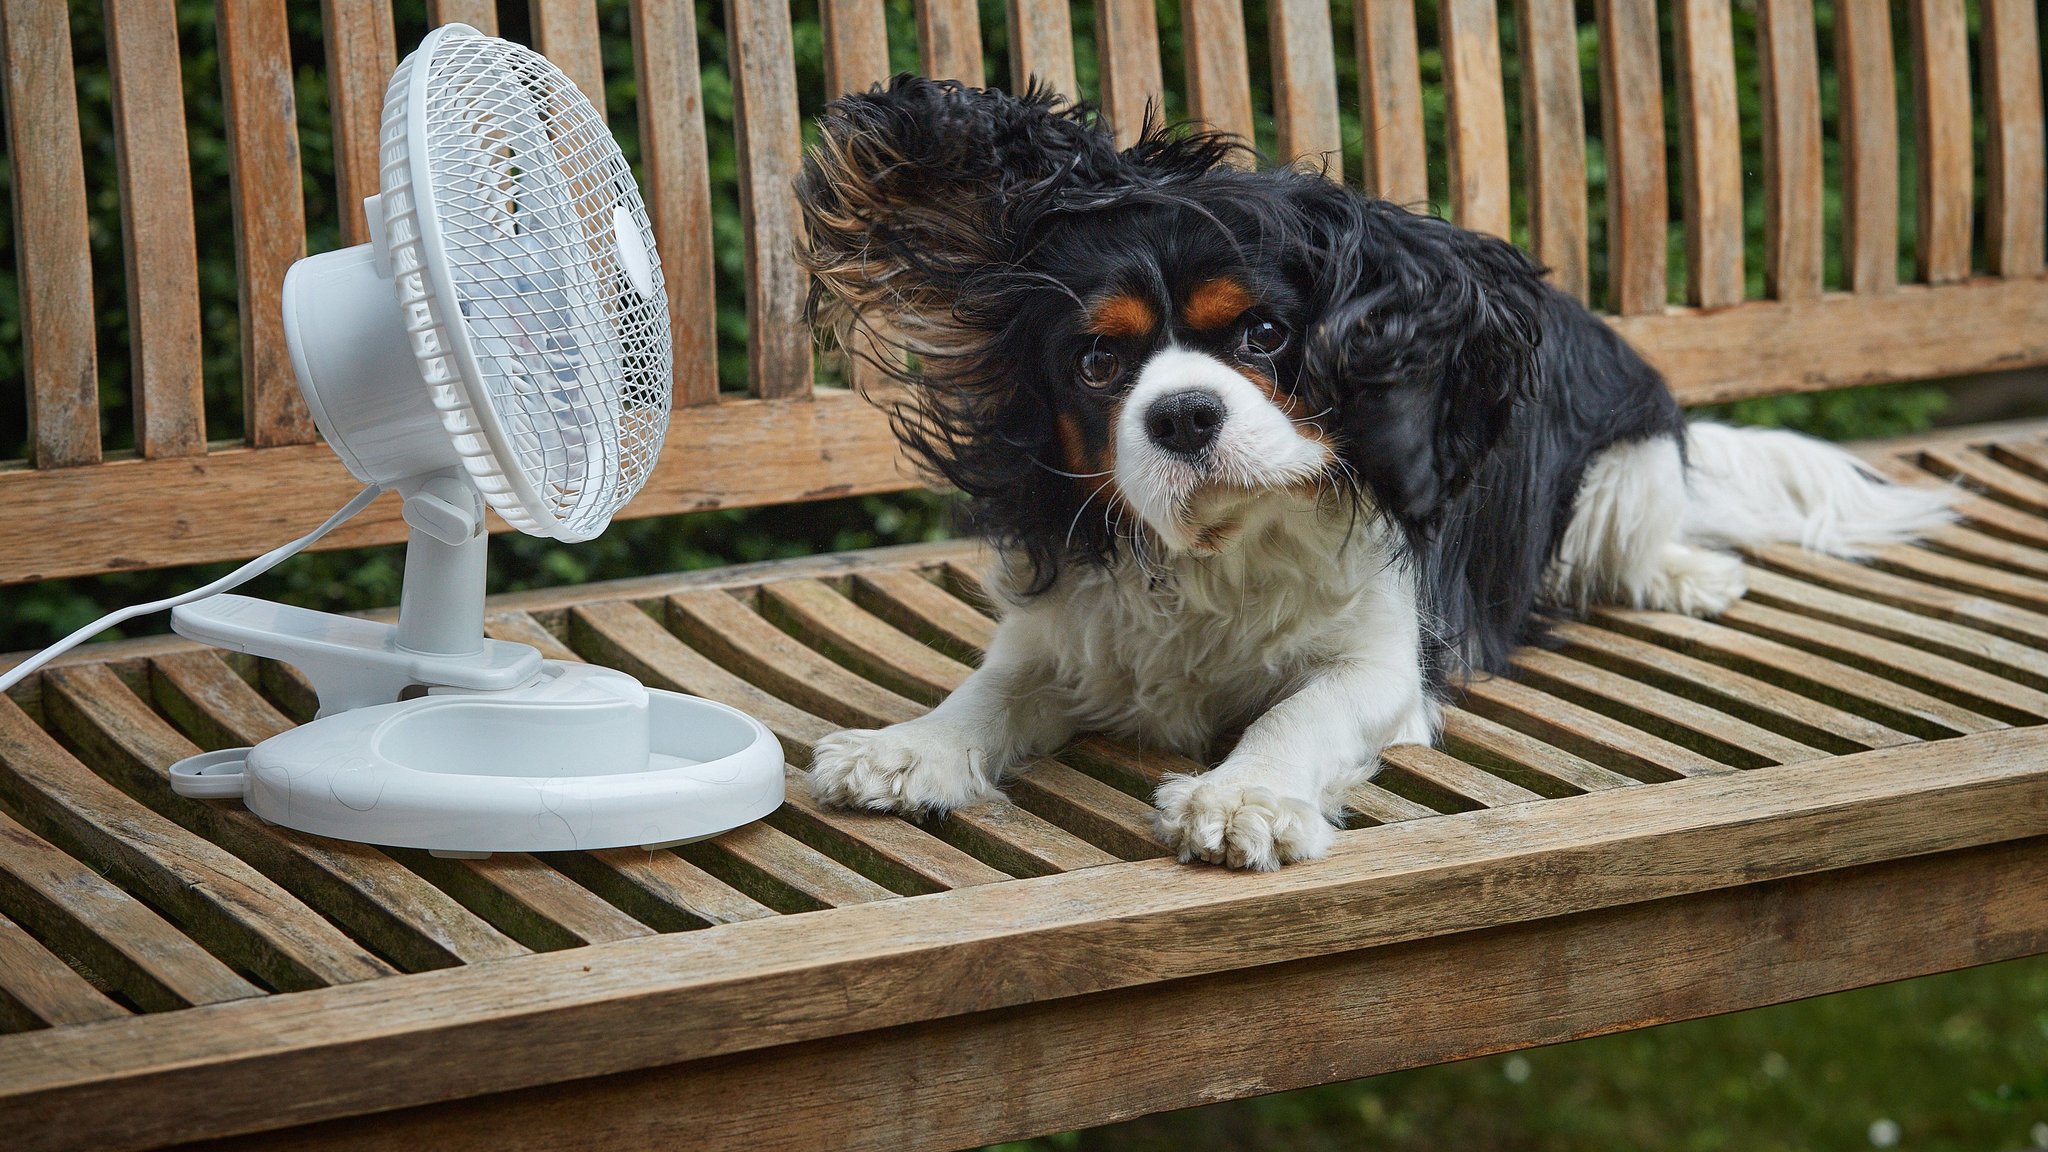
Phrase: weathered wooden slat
x=1442 y=770
x=856 y=44
x=1676 y=718
x=2022 y=632
x=1993 y=477
x=37 y=989
x=527 y=900
x=1632 y=136
x=1390 y=102
x=949 y=40
x=672 y=150
x=1305 y=82
x=1586 y=733
x=781 y=871
x=242 y=916
x=1961 y=575
x=1383 y=807
x=1475 y=115
x=1554 y=139
x=1965 y=541
x=1709 y=150
x=2015 y=203
x=565 y=31
x=53 y=254
x=129 y=946
x=924 y=610
x=1110 y=819
x=158 y=241
x=1219 y=75
x=481 y=15
x=1869 y=133
x=660 y=889
x=270 y=210
x=1509 y=753
x=1790 y=64
x=1941 y=124
x=762 y=62
x=362 y=49
x=687 y=996
x=1127 y=55
x=1042 y=45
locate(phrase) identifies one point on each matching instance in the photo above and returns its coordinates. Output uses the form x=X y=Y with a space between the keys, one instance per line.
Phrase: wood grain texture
x=1554 y=140
x=1709 y=150
x=53 y=256
x=362 y=49
x=1587 y=733
x=1632 y=133
x=1475 y=116
x=856 y=44
x=949 y=40
x=38 y=989
x=481 y=15
x=1390 y=102
x=1218 y=73
x=1684 y=721
x=1869 y=131
x=565 y=31
x=1941 y=130
x=158 y=243
x=1790 y=65
x=673 y=152
x=1514 y=755
x=1127 y=56
x=1042 y=45
x=1305 y=83
x=761 y=60
x=270 y=210
x=527 y=900
x=661 y=1000
x=2015 y=211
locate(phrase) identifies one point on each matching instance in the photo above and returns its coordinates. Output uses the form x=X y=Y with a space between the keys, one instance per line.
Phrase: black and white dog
x=1257 y=453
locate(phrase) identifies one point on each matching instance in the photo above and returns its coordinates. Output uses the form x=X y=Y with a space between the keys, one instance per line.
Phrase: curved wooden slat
x=1305 y=83
x=52 y=250
x=1516 y=756
x=1676 y=718
x=1962 y=575
x=481 y=15
x=362 y=49
x=926 y=611
x=158 y=240
x=1710 y=151
x=1442 y=770
x=1941 y=123
x=1390 y=102
x=1475 y=116
x=673 y=152
x=660 y=889
x=1554 y=140
x=1992 y=477
x=1632 y=136
x=1869 y=109
x=1792 y=160
x=1586 y=733
x=1219 y=75
x=1042 y=45
x=761 y=59
x=565 y=31
x=1127 y=54
x=527 y=900
x=1380 y=806
x=781 y=871
x=37 y=989
x=949 y=40
x=2015 y=202
x=2024 y=630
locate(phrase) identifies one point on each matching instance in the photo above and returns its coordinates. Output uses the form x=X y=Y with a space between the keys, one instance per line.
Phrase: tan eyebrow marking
x=1215 y=303
x=1122 y=315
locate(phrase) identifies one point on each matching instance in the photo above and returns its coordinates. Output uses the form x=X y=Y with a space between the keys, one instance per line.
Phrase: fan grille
x=533 y=202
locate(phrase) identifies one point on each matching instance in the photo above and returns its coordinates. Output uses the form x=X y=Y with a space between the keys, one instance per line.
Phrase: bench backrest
x=1974 y=298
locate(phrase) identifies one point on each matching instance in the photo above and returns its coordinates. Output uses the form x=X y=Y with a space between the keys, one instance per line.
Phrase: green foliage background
x=366 y=578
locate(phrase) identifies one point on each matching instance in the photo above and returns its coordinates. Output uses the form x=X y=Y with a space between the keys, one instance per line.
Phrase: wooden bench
x=1844 y=780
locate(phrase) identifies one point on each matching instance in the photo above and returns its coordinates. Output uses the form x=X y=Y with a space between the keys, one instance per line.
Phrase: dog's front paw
x=1241 y=825
x=910 y=768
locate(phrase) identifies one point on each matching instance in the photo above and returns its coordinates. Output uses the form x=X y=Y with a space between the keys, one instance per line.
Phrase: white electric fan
x=503 y=340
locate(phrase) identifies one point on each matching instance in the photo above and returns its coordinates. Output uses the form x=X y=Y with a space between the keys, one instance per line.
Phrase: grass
x=1951 y=1062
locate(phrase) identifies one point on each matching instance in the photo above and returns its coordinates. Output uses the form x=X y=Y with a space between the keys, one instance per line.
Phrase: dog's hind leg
x=1626 y=542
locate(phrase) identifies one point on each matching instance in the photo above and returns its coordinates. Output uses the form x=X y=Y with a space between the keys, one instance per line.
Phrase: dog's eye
x=1262 y=337
x=1098 y=369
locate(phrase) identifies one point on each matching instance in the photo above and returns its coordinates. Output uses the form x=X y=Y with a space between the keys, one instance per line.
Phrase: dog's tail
x=1767 y=486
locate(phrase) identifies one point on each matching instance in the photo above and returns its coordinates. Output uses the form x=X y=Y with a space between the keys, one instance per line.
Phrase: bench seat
x=1842 y=781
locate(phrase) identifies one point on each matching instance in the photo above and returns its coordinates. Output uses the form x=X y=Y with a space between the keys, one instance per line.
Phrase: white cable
x=242 y=575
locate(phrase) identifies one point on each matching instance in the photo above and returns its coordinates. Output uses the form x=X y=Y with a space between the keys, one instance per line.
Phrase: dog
x=1257 y=455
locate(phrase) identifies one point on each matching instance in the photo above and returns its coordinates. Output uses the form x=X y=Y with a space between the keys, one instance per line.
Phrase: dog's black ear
x=1425 y=341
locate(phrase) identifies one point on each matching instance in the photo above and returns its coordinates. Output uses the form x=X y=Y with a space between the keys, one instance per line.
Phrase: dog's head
x=1098 y=342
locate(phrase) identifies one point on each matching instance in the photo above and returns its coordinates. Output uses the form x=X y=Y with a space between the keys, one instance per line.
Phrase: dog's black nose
x=1185 y=423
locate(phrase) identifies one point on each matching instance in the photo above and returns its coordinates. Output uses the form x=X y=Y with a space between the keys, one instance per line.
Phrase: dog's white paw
x=1240 y=825
x=1695 y=581
x=911 y=768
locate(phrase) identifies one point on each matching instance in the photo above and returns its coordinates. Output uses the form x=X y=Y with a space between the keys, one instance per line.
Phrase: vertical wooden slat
x=673 y=152
x=1042 y=45
x=1941 y=126
x=1710 y=151
x=1554 y=139
x=1127 y=49
x=52 y=250
x=1870 y=144
x=1390 y=102
x=2013 y=165
x=1219 y=76
x=481 y=15
x=362 y=49
x=765 y=120
x=1305 y=81
x=1792 y=165
x=270 y=208
x=158 y=241
x=565 y=31
x=1476 y=116
x=856 y=44
x=1632 y=131
x=949 y=40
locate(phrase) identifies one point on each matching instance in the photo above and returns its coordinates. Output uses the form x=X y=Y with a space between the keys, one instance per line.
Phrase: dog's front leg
x=953 y=755
x=1273 y=800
